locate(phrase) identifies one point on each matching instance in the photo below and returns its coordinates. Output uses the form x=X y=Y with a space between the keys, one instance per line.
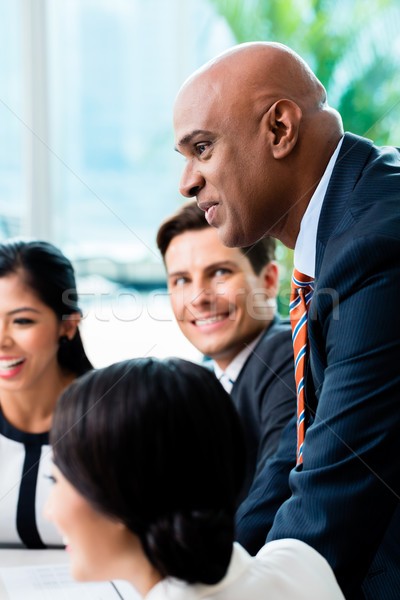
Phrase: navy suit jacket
x=265 y=396
x=344 y=499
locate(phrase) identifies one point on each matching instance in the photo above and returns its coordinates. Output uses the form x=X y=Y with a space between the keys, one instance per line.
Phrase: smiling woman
x=40 y=354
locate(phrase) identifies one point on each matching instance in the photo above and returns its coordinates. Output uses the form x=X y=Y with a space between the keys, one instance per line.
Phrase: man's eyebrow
x=177 y=273
x=189 y=137
x=222 y=263
x=206 y=268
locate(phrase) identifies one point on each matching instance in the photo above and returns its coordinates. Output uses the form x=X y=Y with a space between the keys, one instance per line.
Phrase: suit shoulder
x=279 y=334
x=273 y=352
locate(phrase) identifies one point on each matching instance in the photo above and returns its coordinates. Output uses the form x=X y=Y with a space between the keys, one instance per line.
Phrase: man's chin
x=227 y=237
x=232 y=239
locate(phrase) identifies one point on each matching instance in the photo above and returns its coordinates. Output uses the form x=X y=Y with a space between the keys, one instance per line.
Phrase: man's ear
x=70 y=324
x=271 y=279
x=283 y=121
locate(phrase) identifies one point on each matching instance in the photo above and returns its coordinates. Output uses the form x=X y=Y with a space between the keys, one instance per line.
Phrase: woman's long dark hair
x=46 y=270
x=158 y=445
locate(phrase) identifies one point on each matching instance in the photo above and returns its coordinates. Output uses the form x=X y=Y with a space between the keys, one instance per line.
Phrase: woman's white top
x=25 y=464
x=282 y=570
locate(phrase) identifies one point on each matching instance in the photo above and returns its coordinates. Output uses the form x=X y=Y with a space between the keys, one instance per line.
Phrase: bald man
x=266 y=155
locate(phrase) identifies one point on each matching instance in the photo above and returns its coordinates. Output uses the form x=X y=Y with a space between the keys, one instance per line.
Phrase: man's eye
x=222 y=271
x=201 y=147
x=180 y=281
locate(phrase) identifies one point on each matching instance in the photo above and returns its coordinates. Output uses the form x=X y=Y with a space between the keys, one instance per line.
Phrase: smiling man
x=224 y=300
x=266 y=155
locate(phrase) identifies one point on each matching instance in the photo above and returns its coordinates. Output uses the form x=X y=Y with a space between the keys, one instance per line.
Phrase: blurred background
x=86 y=154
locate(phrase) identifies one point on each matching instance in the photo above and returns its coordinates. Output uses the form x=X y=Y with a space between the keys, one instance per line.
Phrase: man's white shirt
x=306 y=243
x=231 y=373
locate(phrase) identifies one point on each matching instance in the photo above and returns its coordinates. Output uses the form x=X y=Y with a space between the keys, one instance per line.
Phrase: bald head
x=266 y=69
x=263 y=107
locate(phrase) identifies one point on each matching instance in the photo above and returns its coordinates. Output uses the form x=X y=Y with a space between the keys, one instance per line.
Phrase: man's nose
x=202 y=294
x=191 y=183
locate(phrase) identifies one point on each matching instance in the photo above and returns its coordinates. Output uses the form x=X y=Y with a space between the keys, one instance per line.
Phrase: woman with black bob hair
x=41 y=353
x=149 y=458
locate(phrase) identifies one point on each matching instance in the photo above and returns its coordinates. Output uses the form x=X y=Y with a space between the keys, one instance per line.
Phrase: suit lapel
x=350 y=162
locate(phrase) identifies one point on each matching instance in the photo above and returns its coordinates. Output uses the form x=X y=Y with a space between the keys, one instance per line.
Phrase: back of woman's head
x=158 y=445
x=50 y=274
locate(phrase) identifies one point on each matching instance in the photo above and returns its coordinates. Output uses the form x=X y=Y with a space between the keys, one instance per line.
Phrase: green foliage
x=353 y=46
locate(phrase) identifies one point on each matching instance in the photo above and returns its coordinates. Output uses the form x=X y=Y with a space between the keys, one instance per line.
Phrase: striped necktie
x=301 y=293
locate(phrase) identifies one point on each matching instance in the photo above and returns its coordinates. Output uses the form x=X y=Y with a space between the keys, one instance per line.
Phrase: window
x=88 y=161
x=11 y=121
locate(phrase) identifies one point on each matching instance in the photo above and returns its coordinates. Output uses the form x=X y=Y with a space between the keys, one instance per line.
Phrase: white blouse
x=282 y=570
x=25 y=464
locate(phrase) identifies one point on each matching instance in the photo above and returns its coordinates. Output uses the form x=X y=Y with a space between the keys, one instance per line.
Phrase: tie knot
x=299 y=280
x=302 y=289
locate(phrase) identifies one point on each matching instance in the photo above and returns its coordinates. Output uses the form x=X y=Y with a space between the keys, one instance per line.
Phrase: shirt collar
x=232 y=371
x=175 y=589
x=304 y=250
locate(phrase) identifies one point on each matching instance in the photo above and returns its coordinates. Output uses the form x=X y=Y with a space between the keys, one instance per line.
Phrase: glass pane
x=115 y=69
x=11 y=121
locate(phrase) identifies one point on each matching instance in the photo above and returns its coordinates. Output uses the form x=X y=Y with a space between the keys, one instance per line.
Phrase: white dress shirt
x=282 y=570
x=306 y=243
x=228 y=377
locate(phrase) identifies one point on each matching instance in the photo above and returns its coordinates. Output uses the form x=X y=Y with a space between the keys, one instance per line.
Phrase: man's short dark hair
x=189 y=217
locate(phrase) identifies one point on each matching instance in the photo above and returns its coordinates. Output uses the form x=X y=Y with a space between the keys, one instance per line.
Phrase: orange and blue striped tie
x=300 y=298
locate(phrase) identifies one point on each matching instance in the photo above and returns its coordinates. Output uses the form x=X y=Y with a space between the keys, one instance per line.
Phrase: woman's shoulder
x=293 y=564
x=10 y=433
x=282 y=569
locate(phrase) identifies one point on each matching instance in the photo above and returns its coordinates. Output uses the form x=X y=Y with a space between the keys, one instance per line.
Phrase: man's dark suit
x=264 y=395
x=345 y=497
